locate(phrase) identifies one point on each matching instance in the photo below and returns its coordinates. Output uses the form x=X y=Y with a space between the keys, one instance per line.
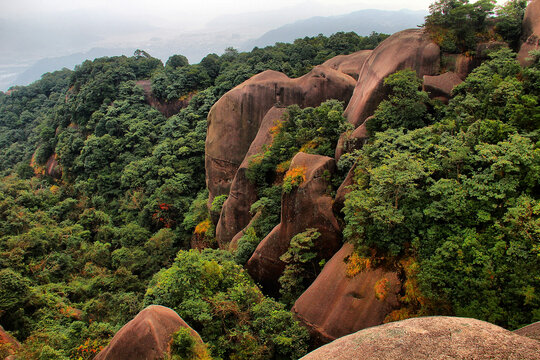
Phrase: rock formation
x=406 y=49
x=167 y=108
x=531 y=331
x=530 y=31
x=235 y=119
x=336 y=305
x=431 y=338
x=235 y=212
x=440 y=86
x=349 y=64
x=308 y=206
x=147 y=336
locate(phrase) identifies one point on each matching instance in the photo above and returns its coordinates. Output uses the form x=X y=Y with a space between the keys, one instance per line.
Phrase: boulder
x=52 y=168
x=531 y=331
x=235 y=119
x=235 y=212
x=406 y=49
x=440 y=86
x=434 y=338
x=351 y=141
x=349 y=64
x=336 y=305
x=530 y=32
x=147 y=336
x=342 y=191
x=8 y=344
x=307 y=206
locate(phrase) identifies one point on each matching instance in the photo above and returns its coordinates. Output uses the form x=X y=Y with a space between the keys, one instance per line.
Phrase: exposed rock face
x=530 y=31
x=145 y=337
x=52 y=168
x=167 y=108
x=235 y=119
x=343 y=190
x=352 y=141
x=336 y=305
x=531 y=331
x=431 y=338
x=308 y=206
x=349 y=64
x=7 y=342
x=406 y=49
x=235 y=212
x=440 y=86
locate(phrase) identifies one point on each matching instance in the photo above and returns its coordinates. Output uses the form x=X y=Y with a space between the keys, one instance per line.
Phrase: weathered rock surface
x=342 y=191
x=167 y=108
x=406 y=49
x=440 y=86
x=530 y=31
x=355 y=140
x=8 y=342
x=235 y=212
x=336 y=305
x=308 y=206
x=531 y=331
x=433 y=338
x=52 y=168
x=145 y=337
x=235 y=119
x=349 y=64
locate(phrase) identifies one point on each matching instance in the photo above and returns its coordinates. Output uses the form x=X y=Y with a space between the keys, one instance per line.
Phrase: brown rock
x=308 y=206
x=52 y=168
x=343 y=190
x=406 y=49
x=441 y=86
x=531 y=331
x=235 y=212
x=8 y=342
x=530 y=31
x=235 y=119
x=336 y=305
x=433 y=338
x=353 y=141
x=349 y=64
x=167 y=108
x=145 y=337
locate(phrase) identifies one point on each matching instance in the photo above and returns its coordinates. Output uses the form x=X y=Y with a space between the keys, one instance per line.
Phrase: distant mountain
x=43 y=66
x=362 y=22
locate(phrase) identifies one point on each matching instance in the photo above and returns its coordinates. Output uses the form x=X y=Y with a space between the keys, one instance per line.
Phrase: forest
x=104 y=206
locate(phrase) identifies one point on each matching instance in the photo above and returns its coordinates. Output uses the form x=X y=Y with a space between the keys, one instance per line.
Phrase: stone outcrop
x=349 y=64
x=235 y=212
x=147 y=336
x=307 y=206
x=235 y=119
x=432 y=338
x=406 y=49
x=440 y=86
x=167 y=108
x=52 y=168
x=530 y=31
x=351 y=141
x=531 y=331
x=336 y=305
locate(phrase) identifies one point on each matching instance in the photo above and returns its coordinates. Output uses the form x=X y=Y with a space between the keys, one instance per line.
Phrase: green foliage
x=183 y=344
x=406 y=106
x=301 y=266
x=457 y=25
x=217 y=204
x=509 y=21
x=216 y=297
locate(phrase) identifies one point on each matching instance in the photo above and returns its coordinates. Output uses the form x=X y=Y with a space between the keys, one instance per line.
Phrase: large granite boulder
x=530 y=31
x=349 y=64
x=433 y=338
x=440 y=86
x=147 y=336
x=336 y=305
x=235 y=119
x=531 y=331
x=307 y=206
x=235 y=212
x=411 y=49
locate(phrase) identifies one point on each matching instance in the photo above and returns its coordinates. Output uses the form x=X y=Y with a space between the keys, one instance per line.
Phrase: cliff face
x=167 y=108
x=530 y=31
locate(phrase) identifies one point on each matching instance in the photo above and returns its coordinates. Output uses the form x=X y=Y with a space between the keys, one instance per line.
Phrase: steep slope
x=531 y=31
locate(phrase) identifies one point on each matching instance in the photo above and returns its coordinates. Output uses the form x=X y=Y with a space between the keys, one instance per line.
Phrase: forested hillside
x=232 y=190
